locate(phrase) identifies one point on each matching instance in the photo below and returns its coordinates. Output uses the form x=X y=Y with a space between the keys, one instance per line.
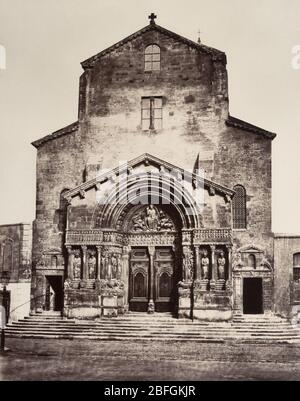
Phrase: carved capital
x=151 y=250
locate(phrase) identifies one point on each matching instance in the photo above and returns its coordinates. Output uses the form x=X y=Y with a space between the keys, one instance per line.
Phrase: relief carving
x=151 y=219
x=111 y=287
x=111 y=263
x=184 y=289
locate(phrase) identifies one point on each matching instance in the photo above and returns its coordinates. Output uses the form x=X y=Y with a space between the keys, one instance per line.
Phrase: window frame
x=239 y=212
x=152 y=114
x=150 y=58
x=296 y=268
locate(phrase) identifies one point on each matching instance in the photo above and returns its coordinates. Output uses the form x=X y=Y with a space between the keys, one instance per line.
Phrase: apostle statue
x=77 y=265
x=221 y=266
x=92 y=262
x=108 y=265
x=114 y=265
x=103 y=266
x=205 y=265
x=119 y=266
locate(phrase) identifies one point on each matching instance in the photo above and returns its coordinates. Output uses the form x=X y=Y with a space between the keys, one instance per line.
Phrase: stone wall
x=15 y=251
x=15 y=262
x=193 y=87
x=285 y=247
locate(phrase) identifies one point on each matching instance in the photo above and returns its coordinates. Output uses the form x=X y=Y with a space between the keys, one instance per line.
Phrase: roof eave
x=56 y=134
x=243 y=125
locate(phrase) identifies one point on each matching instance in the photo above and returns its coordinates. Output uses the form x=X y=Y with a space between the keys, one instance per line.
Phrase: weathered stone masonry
x=197 y=132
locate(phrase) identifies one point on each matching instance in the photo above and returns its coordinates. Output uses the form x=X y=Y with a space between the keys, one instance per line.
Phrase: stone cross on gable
x=152 y=17
x=199 y=39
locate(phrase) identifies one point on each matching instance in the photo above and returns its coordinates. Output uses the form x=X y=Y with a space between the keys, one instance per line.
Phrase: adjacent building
x=15 y=268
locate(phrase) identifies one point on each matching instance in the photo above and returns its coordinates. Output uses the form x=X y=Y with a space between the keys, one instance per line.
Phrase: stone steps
x=160 y=327
x=113 y=326
x=183 y=329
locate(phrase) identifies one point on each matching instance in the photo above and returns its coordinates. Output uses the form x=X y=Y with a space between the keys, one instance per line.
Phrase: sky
x=45 y=41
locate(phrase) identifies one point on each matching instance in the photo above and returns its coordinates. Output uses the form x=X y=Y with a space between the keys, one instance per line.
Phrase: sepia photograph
x=150 y=186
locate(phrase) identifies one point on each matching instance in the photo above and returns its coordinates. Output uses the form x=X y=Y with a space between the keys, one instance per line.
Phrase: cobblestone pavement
x=92 y=360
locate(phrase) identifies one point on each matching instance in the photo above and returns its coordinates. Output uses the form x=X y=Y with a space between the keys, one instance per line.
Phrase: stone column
x=214 y=272
x=198 y=272
x=125 y=274
x=70 y=263
x=98 y=261
x=151 y=306
x=85 y=272
x=229 y=274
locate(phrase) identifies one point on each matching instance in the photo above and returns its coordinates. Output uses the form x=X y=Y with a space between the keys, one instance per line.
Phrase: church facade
x=156 y=199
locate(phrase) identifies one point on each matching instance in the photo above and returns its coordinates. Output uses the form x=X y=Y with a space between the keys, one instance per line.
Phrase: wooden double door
x=151 y=278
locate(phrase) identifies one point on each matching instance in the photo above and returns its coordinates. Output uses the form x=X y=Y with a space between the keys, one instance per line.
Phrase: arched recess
x=157 y=190
x=7 y=255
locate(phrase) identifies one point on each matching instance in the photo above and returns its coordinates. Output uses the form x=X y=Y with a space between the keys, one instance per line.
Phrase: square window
x=151 y=113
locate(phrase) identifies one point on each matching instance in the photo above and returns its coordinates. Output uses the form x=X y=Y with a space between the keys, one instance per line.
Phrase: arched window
x=252 y=261
x=239 y=207
x=296 y=267
x=152 y=58
x=7 y=255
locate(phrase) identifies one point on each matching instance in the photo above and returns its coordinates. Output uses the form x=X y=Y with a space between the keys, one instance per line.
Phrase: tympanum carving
x=151 y=219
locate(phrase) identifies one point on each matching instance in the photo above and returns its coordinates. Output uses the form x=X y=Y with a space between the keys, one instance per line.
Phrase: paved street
x=92 y=360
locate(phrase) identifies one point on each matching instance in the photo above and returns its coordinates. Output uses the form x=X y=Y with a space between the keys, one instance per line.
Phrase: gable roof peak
x=216 y=54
